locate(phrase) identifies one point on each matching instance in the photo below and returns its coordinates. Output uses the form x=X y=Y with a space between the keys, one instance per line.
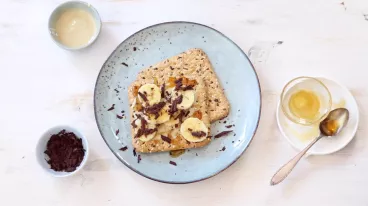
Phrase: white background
x=42 y=85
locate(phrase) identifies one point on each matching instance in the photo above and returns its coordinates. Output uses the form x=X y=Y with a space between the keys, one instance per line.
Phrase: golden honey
x=305 y=105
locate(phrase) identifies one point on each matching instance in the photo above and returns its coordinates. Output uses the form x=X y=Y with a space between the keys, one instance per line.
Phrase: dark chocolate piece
x=155 y=109
x=174 y=106
x=143 y=96
x=163 y=90
x=123 y=148
x=166 y=139
x=111 y=108
x=221 y=134
x=198 y=134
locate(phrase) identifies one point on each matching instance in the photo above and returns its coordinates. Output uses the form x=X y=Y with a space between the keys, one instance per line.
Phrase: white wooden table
x=42 y=85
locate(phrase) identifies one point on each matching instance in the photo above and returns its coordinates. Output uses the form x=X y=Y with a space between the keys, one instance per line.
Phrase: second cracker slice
x=194 y=62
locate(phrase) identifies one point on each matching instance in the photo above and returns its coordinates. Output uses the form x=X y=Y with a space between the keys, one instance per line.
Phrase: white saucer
x=300 y=136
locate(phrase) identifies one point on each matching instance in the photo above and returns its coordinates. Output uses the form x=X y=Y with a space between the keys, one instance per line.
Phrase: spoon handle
x=285 y=170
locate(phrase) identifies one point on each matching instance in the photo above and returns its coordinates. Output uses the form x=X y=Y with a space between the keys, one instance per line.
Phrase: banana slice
x=194 y=130
x=168 y=126
x=188 y=99
x=151 y=92
x=164 y=116
x=145 y=138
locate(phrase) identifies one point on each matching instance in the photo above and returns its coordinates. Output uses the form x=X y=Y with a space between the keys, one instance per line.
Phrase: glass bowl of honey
x=305 y=100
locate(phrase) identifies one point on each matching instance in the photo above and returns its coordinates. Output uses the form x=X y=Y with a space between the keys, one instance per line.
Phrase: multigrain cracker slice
x=194 y=62
x=168 y=113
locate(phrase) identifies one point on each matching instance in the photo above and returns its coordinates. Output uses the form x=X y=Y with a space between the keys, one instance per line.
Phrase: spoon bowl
x=335 y=121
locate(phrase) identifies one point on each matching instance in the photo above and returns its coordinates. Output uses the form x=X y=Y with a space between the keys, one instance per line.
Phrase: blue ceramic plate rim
x=175 y=182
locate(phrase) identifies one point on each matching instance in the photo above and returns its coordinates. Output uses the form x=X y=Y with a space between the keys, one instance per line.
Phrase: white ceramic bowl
x=70 y=5
x=41 y=147
x=299 y=136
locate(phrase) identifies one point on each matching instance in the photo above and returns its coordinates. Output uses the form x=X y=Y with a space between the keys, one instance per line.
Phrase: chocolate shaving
x=198 y=134
x=117 y=132
x=180 y=116
x=186 y=113
x=189 y=87
x=134 y=152
x=223 y=149
x=134 y=48
x=139 y=133
x=168 y=98
x=149 y=131
x=138 y=116
x=166 y=139
x=123 y=148
x=133 y=124
x=125 y=64
x=174 y=106
x=162 y=90
x=178 y=83
x=221 y=134
x=173 y=163
x=117 y=91
x=229 y=126
x=143 y=123
x=111 y=108
x=143 y=130
x=139 y=159
x=143 y=96
x=119 y=117
x=155 y=109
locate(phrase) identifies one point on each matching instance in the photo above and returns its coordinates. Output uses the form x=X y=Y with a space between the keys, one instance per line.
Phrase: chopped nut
x=197 y=114
x=135 y=90
x=171 y=82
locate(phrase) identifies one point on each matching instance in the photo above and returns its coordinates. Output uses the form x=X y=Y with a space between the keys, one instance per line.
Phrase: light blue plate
x=157 y=43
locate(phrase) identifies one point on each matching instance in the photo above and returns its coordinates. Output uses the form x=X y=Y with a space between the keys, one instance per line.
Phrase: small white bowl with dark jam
x=62 y=151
